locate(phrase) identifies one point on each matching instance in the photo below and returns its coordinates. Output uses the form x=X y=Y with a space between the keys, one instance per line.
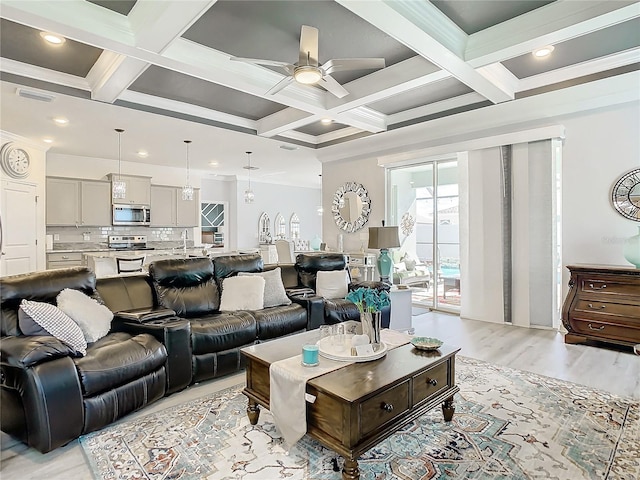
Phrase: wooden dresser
x=603 y=304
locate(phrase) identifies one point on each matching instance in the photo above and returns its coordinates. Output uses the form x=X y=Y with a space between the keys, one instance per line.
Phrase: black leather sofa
x=178 y=303
x=49 y=395
x=167 y=333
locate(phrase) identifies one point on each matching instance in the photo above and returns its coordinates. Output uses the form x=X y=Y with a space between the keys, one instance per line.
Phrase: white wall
x=274 y=199
x=372 y=177
x=599 y=147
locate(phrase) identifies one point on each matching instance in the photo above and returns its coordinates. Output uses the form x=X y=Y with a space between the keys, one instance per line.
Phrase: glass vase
x=632 y=250
x=371 y=325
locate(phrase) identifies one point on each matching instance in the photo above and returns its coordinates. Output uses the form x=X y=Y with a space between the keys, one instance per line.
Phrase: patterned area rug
x=508 y=424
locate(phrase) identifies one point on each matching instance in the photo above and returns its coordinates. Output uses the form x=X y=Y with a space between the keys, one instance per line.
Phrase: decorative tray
x=331 y=349
x=426 y=343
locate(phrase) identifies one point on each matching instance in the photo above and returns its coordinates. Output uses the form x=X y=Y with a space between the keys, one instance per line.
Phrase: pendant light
x=187 y=190
x=119 y=187
x=248 y=194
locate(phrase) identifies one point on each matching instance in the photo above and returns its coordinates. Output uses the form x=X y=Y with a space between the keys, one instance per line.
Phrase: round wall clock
x=625 y=195
x=15 y=161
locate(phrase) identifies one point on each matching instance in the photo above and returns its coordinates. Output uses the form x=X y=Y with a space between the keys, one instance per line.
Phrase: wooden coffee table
x=361 y=404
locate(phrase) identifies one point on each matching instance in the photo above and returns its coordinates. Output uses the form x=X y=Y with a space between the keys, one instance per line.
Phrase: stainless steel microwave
x=131 y=214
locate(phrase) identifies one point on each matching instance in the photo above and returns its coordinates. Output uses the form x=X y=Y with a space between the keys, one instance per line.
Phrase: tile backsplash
x=100 y=235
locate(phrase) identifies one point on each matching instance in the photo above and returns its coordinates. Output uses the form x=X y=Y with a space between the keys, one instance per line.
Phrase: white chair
x=284 y=249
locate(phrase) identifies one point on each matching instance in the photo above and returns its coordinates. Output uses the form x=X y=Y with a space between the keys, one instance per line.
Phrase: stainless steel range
x=128 y=242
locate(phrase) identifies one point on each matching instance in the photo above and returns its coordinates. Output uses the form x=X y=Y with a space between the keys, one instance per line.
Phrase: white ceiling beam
x=415 y=25
x=436 y=107
x=154 y=25
x=187 y=109
x=39 y=73
x=628 y=57
x=554 y=23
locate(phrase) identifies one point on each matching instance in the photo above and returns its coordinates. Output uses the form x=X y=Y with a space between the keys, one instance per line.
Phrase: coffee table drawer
x=383 y=407
x=430 y=382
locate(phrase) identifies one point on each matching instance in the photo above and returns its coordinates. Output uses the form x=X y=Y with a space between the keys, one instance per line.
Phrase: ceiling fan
x=309 y=72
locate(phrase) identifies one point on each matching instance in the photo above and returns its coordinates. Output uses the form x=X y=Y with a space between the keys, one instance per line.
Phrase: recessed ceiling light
x=213 y=163
x=326 y=121
x=47 y=140
x=52 y=38
x=60 y=120
x=543 y=52
x=143 y=153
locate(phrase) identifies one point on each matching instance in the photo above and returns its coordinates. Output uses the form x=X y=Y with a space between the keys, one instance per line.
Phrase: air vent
x=288 y=147
x=35 y=95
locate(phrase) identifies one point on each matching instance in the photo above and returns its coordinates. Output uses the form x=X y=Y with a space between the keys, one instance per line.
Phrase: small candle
x=310 y=354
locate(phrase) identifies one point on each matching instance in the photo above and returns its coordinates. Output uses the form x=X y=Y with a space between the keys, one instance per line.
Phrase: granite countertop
x=103 y=247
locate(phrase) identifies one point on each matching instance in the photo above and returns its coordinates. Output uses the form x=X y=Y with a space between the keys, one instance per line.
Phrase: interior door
x=18 y=228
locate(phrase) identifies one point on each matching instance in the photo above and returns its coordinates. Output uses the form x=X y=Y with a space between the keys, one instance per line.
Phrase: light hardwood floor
x=539 y=351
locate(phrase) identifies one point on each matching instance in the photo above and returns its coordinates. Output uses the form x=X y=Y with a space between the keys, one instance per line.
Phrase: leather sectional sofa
x=167 y=333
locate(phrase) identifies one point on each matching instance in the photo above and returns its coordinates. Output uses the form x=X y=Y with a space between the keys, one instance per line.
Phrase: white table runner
x=288 y=379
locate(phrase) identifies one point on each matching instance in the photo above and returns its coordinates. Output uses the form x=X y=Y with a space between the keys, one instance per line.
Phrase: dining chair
x=284 y=248
x=129 y=264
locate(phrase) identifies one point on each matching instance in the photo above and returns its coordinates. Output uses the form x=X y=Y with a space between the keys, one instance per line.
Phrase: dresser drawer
x=606 y=330
x=429 y=383
x=610 y=286
x=383 y=407
x=607 y=308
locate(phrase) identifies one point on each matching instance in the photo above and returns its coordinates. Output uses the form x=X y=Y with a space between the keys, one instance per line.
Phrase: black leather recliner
x=49 y=395
x=337 y=309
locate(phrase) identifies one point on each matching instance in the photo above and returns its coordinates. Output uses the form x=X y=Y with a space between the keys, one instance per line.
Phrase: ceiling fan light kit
x=308 y=71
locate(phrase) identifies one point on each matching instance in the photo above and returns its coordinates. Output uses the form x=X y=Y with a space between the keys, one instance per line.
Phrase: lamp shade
x=383 y=237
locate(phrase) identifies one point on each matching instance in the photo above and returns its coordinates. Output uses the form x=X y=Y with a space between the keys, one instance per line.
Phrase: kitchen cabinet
x=168 y=209
x=75 y=202
x=138 y=190
x=64 y=260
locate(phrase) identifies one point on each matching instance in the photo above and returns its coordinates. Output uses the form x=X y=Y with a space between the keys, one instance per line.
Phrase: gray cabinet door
x=96 y=203
x=188 y=210
x=63 y=201
x=138 y=190
x=163 y=206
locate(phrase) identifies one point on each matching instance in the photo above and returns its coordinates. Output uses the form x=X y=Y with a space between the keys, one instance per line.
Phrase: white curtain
x=534 y=250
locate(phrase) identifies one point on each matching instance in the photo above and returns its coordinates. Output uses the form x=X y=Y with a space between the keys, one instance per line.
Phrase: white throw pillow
x=93 y=319
x=242 y=293
x=333 y=284
x=57 y=323
x=274 y=292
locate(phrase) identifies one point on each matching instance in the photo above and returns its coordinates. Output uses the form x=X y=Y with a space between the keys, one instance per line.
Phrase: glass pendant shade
x=119 y=187
x=187 y=190
x=248 y=193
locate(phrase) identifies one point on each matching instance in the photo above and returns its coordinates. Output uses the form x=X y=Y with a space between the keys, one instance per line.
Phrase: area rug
x=508 y=424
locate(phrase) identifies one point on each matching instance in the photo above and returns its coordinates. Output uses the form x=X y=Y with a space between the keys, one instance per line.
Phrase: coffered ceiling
x=173 y=59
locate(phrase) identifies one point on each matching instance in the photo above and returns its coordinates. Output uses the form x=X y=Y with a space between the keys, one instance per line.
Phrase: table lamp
x=384 y=238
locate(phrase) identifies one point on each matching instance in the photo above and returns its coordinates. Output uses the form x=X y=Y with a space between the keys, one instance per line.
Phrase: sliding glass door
x=424 y=202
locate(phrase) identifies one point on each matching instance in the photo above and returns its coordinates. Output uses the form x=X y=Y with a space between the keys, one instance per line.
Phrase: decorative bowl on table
x=426 y=343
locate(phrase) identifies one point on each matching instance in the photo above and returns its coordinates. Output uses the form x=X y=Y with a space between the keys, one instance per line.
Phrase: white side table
x=400 y=308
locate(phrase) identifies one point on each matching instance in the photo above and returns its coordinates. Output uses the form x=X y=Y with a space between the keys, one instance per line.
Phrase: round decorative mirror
x=351 y=207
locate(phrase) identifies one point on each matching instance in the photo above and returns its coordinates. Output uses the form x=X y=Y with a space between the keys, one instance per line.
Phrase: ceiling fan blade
x=340 y=64
x=280 y=85
x=258 y=61
x=308 y=46
x=332 y=86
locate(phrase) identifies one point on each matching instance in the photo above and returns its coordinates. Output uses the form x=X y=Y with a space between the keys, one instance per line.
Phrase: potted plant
x=370 y=302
